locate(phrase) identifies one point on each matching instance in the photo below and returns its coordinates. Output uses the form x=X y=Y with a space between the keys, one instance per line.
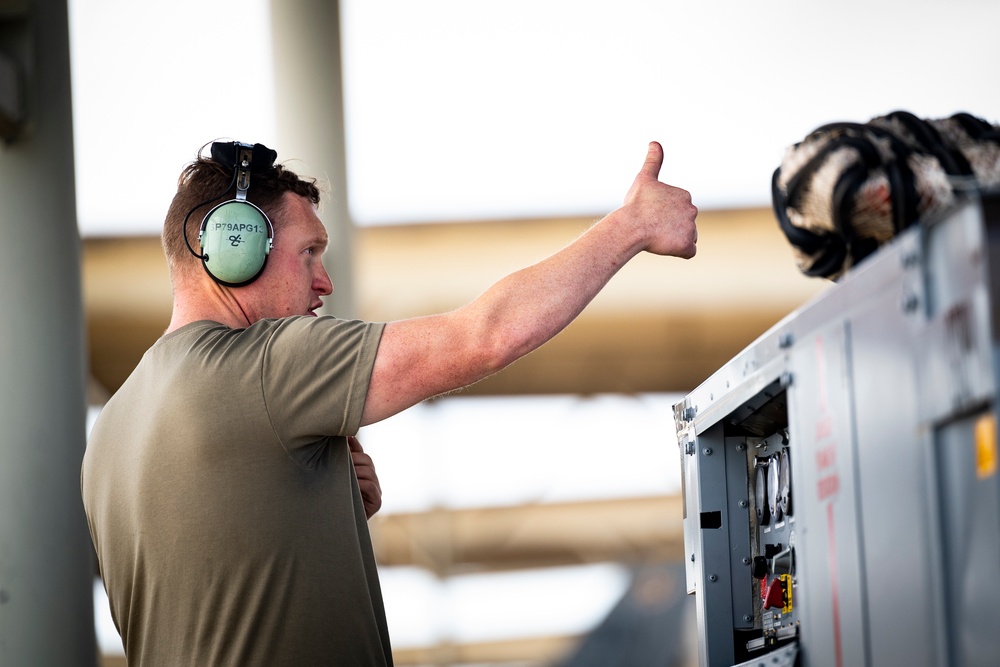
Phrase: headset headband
x=230 y=154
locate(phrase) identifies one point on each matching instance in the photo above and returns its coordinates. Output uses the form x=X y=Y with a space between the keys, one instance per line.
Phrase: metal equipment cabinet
x=841 y=484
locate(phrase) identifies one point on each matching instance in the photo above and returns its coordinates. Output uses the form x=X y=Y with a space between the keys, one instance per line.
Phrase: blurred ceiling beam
x=521 y=652
x=450 y=541
x=530 y=651
x=662 y=324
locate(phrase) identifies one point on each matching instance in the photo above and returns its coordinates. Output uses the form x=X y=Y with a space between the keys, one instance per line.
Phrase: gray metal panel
x=706 y=499
x=895 y=492
x=830 y=596
x=970 y=496
x=955 y=370
x=737 y=523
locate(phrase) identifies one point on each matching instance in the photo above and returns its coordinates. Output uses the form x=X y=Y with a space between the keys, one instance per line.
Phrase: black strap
x=828 y=250
x=796 y=186
x=902 y=183
x=226 y=153
x=928 y=138
x=807 y=240
x=977 y=128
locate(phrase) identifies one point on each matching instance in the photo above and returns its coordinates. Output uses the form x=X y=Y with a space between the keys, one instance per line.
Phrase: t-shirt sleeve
x=315 y=374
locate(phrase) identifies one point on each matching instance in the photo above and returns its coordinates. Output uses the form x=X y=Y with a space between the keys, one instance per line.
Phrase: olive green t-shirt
x=223 y=503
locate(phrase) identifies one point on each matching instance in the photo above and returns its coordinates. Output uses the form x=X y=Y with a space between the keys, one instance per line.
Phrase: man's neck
x=202 y=301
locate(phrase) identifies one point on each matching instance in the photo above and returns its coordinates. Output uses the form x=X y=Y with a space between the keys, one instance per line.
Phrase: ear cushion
x=235 y=241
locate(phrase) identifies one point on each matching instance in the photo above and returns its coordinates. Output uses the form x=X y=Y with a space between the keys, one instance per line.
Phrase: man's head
x=294 y=279
x=205 y=183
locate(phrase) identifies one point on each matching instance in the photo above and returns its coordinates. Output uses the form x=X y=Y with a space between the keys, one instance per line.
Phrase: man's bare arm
x=427 y=356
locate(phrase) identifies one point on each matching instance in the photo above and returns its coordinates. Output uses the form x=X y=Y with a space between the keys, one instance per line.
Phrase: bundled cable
x=847 y=188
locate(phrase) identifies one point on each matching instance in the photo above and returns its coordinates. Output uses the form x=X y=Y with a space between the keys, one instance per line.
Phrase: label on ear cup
x=220 y=227
x=235 y=237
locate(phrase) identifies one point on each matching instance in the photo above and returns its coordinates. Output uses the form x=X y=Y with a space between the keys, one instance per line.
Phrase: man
x=226 y=494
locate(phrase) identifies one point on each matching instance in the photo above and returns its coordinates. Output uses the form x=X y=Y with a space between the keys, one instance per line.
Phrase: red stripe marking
x=833 y=586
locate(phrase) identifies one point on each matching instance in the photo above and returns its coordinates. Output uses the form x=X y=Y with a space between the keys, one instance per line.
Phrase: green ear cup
x=235 y=239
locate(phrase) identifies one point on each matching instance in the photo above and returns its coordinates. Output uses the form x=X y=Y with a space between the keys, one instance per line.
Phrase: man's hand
x=665 y=212
x=364 y=468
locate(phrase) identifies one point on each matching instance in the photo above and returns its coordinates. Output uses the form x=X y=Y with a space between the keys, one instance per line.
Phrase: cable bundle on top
x=847 y=188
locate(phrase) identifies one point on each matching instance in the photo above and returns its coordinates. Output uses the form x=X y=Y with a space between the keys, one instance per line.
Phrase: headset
x=236 y=236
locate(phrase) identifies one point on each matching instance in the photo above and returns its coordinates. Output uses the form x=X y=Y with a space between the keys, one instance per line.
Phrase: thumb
x=654 y=160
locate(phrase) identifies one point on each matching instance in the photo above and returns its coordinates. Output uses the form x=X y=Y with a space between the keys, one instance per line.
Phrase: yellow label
x=986 y=445
x=786 y=583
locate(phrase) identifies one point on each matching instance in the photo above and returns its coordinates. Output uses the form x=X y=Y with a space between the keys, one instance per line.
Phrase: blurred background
x=535 y=518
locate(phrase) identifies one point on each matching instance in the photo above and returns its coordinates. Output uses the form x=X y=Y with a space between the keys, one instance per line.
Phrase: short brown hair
x=205 y=183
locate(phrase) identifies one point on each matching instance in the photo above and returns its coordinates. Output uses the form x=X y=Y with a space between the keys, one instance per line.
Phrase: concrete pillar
x=46 y=567
x=310 y=119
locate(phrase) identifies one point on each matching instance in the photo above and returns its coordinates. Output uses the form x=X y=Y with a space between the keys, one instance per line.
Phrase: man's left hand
x=364 y=468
